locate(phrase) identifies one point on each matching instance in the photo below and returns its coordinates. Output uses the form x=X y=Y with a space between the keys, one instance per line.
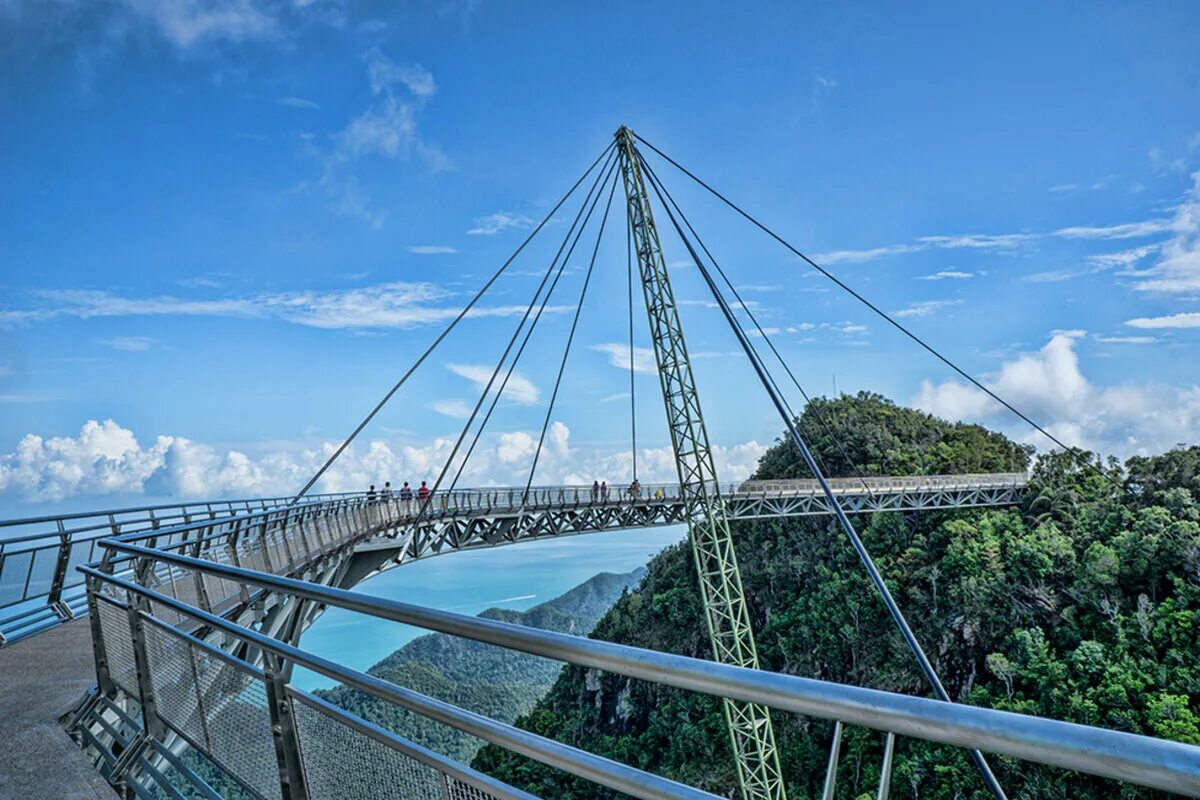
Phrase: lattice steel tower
x=725 y=611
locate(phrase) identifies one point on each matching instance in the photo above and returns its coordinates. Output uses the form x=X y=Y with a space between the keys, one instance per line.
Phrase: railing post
x=54 y=598
x=885 y=773
x=283 y=728
x=202 y=597
x=137 y=631
x=100 y=655
x=835 y=750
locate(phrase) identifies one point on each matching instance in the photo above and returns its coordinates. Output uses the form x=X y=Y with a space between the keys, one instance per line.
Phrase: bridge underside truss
x=492 y=529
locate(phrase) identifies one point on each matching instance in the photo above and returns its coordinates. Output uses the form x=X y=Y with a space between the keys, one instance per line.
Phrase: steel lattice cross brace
x=726 y=613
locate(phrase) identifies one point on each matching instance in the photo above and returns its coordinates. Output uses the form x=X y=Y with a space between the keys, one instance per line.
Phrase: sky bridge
x=165 y=638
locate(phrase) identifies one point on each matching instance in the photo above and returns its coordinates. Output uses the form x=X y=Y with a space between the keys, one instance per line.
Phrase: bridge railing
x=39 y=586
x=38 y=555
x=136 y=663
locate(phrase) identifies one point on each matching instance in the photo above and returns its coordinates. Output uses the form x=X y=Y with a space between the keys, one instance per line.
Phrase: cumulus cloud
x=107 y=459
x=1123 y=419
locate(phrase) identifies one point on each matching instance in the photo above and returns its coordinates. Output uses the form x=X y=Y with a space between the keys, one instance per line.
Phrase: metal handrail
x=613 y=774
x=1161 y=764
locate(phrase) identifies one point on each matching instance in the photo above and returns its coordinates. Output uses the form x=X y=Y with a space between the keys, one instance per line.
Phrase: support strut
x=725 y=611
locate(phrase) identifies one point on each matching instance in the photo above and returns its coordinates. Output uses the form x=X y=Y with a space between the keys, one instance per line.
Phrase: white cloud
x=924 y=308
x=1122 y=258
x=1003 y=242
x=456 y=409
x=188 y=23
x=1050 y=386
x=432 y=250
x=386 y=305
x=1188 y=319
x=130 y=344
x=385 y=75
x=766 y=331
x=519 y=389
x=1178 y=268
x=860 y=256
x=108 y=459
x=388 y=128
x=972 y=241
x=297 y=102
x=825 y=80
x=1127 y=230
x=1126 y=339
x=947 y=274
x=498 y=223
x=618 y=356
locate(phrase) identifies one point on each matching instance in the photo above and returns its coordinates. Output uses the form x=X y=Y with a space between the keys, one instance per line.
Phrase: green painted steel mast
x=726 y=614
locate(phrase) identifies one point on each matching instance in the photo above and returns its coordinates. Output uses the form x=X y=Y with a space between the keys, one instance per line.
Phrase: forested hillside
x=1083 y=604
x=499 y=683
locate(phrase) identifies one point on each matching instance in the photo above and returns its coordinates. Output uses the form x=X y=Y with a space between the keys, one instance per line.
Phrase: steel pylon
x=725 y=611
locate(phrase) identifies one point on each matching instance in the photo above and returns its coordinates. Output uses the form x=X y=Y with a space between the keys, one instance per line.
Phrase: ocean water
x=514 y=576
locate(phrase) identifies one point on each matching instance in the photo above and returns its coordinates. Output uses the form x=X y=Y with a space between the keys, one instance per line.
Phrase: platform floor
x=42 y=678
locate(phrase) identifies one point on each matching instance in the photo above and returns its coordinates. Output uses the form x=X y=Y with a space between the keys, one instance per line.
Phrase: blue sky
x=229 y=225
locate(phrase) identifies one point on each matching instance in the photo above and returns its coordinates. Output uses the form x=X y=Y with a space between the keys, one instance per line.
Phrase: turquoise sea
x=514 y=576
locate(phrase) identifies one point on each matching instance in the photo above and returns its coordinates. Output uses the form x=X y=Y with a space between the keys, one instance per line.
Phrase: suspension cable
x=600 y=180
x=847 y=526
x=520 y=350
x=508 y=375
x=632 y=393
x=587 y=279
x=466 y=309
x=1075 y=452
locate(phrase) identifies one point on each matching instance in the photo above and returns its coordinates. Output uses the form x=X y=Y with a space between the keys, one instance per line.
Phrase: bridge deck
x=43 y=677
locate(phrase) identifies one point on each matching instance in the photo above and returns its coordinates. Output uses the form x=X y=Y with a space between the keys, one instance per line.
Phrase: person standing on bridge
x=603 y=491
x=386 y=494
x=406 y=497
x=371 y=495
x=423 y=492
x=595 y=490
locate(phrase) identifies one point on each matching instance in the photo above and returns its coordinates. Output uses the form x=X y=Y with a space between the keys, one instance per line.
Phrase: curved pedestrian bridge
x=197 y=613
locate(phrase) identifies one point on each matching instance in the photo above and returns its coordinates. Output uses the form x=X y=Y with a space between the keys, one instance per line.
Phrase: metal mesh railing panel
x=238 y=722
x=118 y=645
x=175 y=690
x=465 y=791
x=342 y=764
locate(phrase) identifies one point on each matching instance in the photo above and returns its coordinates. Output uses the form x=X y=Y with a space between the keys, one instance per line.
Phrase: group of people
x=600 y=491
x=404 y=494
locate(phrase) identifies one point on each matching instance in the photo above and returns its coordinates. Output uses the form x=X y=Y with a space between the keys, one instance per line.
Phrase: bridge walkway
x=44 y=678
